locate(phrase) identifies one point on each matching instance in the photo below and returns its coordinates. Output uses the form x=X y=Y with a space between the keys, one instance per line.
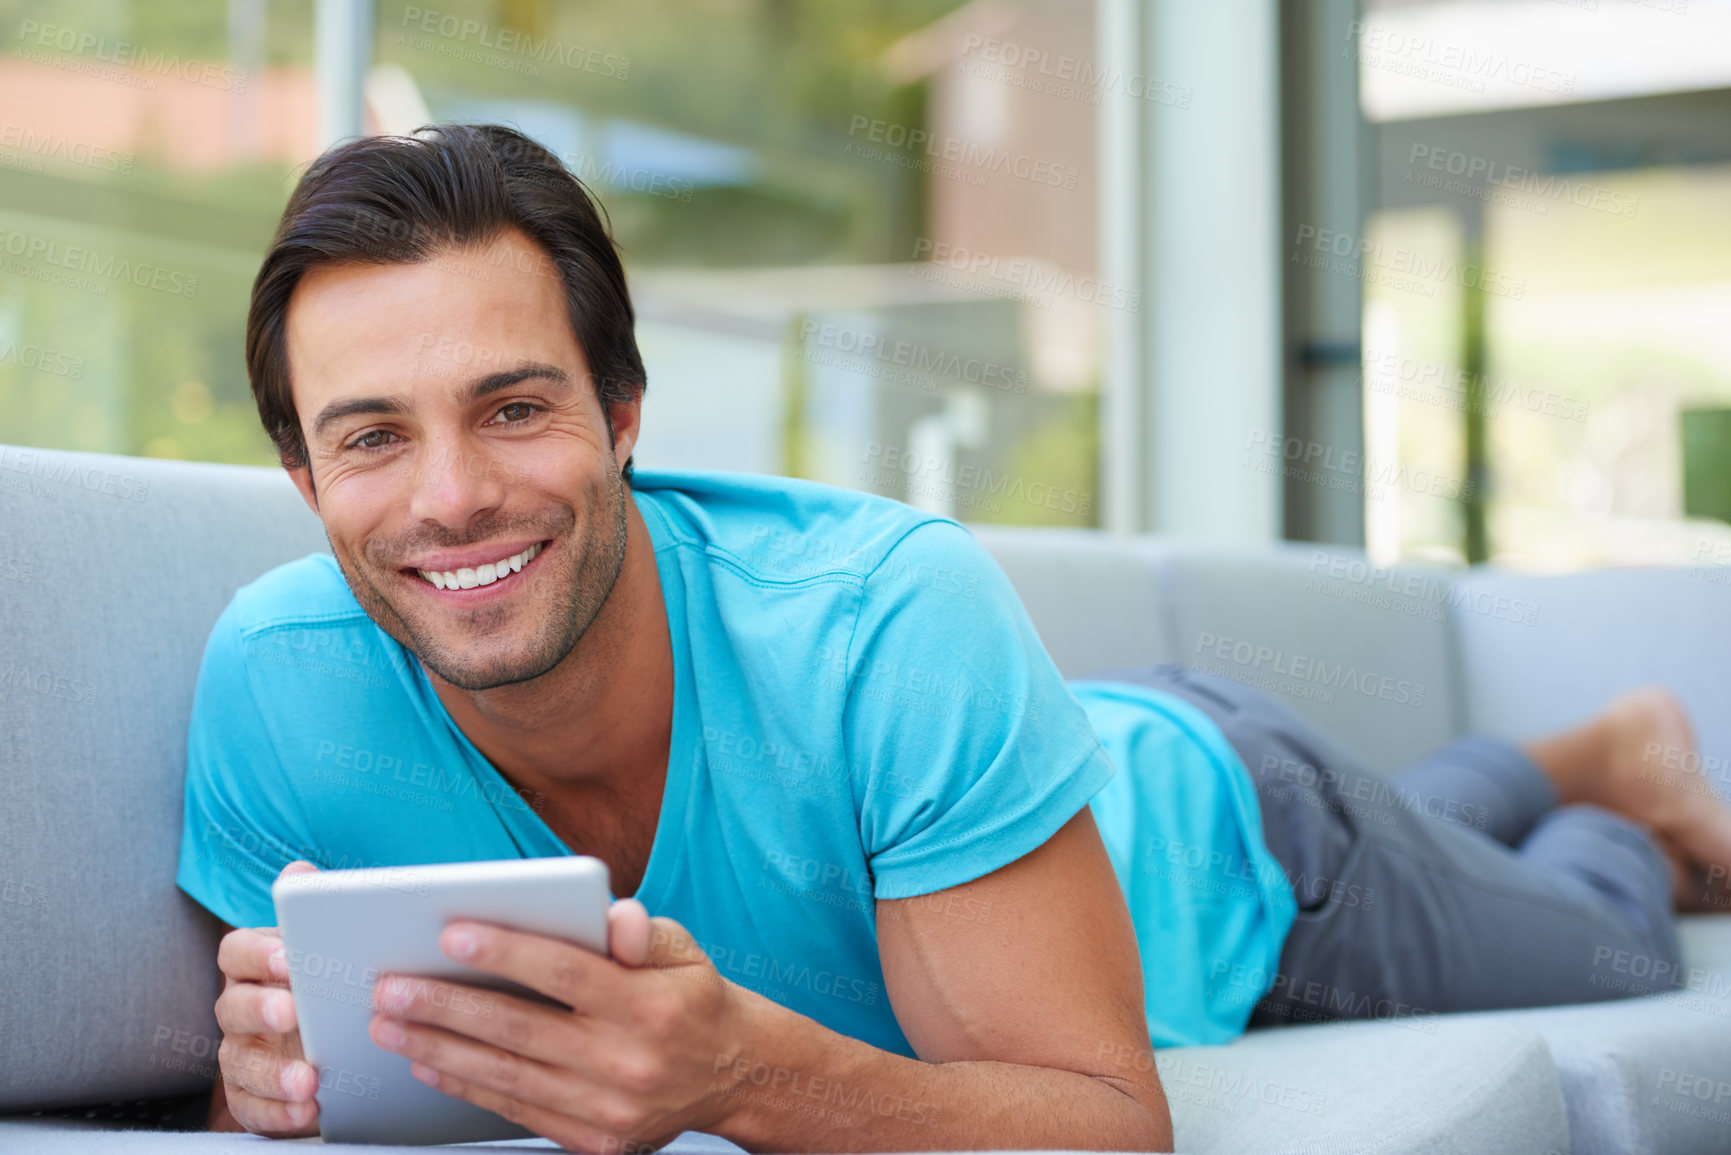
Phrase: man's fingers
x=255 y=1065
x=671 y=945
x=628 y=932
x=581 y=979
x=254 y=1009
x=298 y=866
x=246 y=955
x=272 y=1117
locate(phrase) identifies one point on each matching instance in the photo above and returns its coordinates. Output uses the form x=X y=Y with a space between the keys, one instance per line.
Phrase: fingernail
x=425 y=1074
x=460 y=944
x=278 y=963
x=289 y=1078
x=278 y=1014
x=393 y=995
x=388 y=1033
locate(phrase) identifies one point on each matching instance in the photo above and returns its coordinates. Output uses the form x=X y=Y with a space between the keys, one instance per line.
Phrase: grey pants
x=1456 y=884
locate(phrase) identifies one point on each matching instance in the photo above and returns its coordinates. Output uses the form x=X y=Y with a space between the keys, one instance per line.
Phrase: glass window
x=860 y=235
x=1549 y=262
x=145 y=152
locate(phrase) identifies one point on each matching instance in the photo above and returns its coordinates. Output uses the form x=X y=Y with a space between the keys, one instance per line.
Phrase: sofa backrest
x=112 y=571
x=1366 y=654
x=1541 y=653
x=1093 y=598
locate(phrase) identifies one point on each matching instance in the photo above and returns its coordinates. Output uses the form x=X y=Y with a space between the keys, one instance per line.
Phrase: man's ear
x=627 y=417
x=302 y=476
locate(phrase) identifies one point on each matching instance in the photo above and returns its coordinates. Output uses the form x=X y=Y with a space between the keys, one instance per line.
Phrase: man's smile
x=458 y=571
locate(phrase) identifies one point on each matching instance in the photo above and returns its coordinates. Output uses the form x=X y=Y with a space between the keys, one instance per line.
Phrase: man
x=811 y=732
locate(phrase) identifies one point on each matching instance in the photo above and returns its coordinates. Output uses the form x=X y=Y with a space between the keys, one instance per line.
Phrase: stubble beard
x=574 y=590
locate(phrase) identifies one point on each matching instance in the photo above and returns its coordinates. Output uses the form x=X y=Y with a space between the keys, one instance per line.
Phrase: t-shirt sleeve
x=241 y=821
x=967 y=749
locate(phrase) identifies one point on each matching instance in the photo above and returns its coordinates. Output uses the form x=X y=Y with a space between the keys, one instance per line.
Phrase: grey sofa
x=113 y=569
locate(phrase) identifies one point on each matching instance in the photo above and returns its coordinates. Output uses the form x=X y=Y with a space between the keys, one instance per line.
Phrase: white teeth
x=468 y=579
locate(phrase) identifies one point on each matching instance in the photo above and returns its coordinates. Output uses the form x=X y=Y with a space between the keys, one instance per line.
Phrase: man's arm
x=1028 y=1022
x=1022 y=993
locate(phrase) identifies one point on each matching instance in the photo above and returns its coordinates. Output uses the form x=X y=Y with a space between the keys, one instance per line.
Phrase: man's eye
x=372 y=439
x=516 y=411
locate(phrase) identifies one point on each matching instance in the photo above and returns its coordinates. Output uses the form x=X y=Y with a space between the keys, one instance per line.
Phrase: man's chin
x=473 y=673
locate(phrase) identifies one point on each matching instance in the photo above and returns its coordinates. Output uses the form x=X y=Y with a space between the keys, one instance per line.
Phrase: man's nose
x=453 y=481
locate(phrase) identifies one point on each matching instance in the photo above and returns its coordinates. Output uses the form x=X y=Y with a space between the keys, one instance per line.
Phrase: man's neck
x=597 y=725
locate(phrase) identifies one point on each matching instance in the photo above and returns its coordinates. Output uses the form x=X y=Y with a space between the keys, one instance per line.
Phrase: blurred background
x=1447 y=279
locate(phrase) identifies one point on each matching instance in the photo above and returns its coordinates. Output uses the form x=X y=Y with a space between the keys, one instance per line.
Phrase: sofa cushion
x=1440 y=1086
x=1649 y=1075
x=1364 y=654
x=1437 y=1084
x=111 y=573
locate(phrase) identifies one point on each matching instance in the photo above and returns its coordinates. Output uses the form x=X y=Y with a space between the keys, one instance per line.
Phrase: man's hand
x=633 y=1060
x=266 y=1080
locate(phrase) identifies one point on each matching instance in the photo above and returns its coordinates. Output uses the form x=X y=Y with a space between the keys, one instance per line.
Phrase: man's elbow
x=1152 y=1126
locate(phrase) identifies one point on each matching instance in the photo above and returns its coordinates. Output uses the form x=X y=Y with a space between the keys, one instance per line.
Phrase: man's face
x=459 y=457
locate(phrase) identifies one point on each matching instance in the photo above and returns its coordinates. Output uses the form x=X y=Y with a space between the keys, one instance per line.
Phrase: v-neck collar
x=528 y=829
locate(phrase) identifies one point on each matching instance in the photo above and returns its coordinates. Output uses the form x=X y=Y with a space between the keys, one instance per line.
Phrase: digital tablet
x=342 y=929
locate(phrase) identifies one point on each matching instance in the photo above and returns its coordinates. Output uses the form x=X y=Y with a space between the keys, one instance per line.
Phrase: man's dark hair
x=402 y=199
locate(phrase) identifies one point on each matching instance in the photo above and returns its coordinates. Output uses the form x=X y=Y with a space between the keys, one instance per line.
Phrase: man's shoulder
x=306 y=592
x=781 y=529
x=298 y=633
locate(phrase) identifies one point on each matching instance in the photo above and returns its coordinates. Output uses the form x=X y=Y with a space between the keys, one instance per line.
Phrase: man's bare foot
x=1638 y=758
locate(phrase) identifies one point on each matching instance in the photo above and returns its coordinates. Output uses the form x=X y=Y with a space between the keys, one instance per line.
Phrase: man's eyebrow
x=477 y=389
x=337 y=410
x=529 y=371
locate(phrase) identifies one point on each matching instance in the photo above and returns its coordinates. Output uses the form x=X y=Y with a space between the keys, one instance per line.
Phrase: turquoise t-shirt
x=1183 y=829
x=861 y=711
